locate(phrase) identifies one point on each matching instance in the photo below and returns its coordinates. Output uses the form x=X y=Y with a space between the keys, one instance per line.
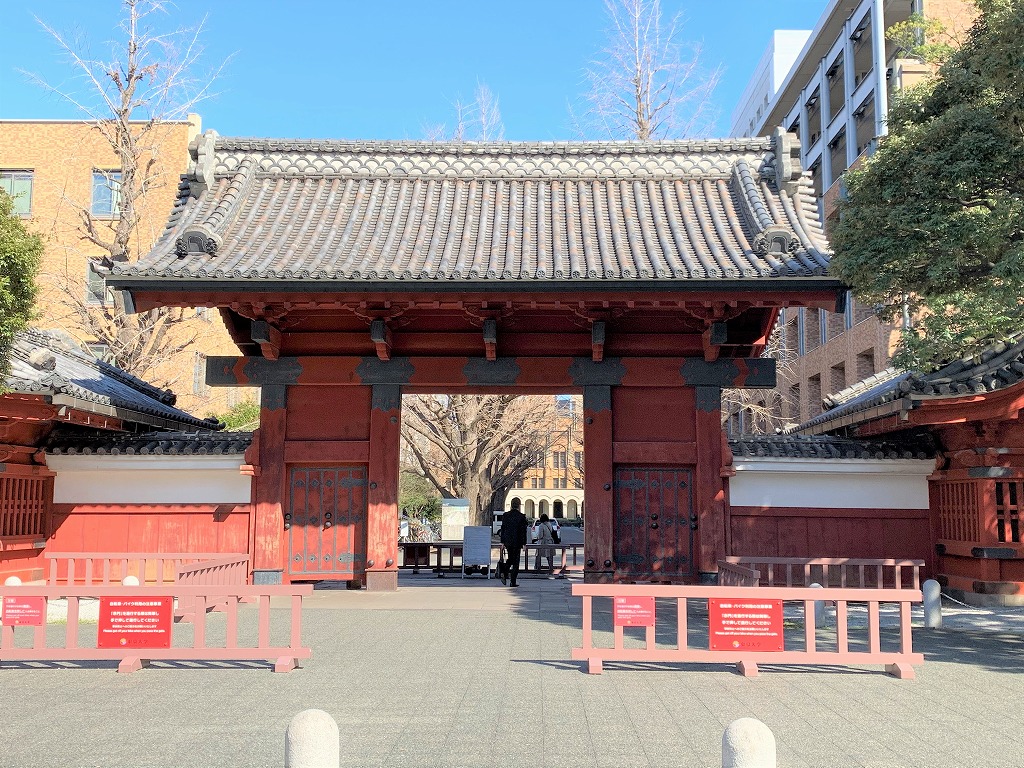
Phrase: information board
x=476 y=546
x=745 y=625
x=135 y=622
x=24 y=611
x=633 y=611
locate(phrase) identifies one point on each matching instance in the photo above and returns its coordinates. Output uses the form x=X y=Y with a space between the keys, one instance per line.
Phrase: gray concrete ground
x=447 y=672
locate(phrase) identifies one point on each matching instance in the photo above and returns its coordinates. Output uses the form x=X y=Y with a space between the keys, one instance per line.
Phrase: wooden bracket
x=491 y=338
x=268 y=337
x=380 y=335
x=716 y=334
x=597 y=333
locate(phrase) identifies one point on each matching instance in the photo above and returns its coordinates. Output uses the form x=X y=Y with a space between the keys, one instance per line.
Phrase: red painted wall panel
x=645 y=414
x=328 y=413
x=802 y=532
x=149 y=528
x=26 y=564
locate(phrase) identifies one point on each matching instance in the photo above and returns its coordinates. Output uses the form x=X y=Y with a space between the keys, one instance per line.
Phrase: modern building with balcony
x=835 y=98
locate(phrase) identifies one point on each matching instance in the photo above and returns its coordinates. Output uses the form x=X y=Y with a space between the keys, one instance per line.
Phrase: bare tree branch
x=647 y=83
x=476 y=447
x=151 y=78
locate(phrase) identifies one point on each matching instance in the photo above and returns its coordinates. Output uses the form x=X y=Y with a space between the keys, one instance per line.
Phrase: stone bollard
x=312 y=741
x=12 y=581
x=932 y=604
x=820 y=615
x=748 y=743
x=130 y=581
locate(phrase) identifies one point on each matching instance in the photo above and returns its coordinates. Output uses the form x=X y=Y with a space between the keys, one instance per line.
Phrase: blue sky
x=388 y=70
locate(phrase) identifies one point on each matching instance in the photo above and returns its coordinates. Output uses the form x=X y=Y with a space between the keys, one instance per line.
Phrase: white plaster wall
x=830 y=483
x=149 y=480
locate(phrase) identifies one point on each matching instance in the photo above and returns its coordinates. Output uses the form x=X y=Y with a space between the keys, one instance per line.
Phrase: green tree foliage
x=922 y=38
x=935 y=219
x=417 y=497
x=20 y=253
x=241 y=417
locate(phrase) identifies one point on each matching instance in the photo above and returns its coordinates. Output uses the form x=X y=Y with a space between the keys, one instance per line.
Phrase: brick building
x=835 y=98
x=56 y=169
x=555 y=486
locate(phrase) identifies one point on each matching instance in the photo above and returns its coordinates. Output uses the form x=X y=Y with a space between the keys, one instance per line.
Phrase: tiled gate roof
x=330 y=211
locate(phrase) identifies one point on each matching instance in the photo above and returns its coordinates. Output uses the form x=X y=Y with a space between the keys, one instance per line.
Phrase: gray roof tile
x=999 y=365
x=423 y=211
x=154 y=444
x=829 y=447
x=44 y=363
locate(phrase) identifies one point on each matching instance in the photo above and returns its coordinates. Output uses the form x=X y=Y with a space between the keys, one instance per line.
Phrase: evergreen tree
x=20 y=253
x=935 y=220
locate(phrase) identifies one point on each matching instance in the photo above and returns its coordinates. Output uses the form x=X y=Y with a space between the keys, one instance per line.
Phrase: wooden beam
x=335 y=451
x=380 y=335
x=597 y=334
x=268 y=337
x=491 y=338
x=425 y=373
x=654 y=453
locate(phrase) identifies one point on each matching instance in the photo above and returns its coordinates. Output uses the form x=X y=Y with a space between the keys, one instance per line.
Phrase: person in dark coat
x=513 y=536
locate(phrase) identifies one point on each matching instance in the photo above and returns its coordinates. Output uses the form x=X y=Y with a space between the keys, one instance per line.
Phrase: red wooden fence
x=865 y=573
x=88 y=568
x=284 y=656
x=221 y=571
x=815 y=650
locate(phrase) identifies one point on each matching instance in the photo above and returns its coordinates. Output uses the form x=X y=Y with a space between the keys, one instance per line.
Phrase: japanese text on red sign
x=745 y=625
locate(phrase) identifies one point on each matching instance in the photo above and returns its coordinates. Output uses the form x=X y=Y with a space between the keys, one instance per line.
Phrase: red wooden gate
x=326 y=522
x=654 y=522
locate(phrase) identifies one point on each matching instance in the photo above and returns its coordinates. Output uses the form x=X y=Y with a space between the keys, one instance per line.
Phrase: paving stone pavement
x=447 y=672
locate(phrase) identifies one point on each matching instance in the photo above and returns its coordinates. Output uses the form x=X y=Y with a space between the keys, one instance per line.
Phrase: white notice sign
x=476 y=547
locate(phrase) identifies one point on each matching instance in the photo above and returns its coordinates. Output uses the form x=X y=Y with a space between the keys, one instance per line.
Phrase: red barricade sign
x=24 y=611
x=633 y=611
x=745 y=625
x=135 y=622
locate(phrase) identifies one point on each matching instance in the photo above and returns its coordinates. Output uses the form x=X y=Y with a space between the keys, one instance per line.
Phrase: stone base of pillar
x=598 y=577
x=267 y=577
x=381 y=581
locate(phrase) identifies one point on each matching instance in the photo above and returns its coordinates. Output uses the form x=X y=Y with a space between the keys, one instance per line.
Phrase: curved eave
x=270 y=285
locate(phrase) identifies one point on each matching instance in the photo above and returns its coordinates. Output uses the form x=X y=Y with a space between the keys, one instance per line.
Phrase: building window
x=822 y=326
x=559 y=459
x=801 y=338
x=813 y=396
x=865 y=364
x=578 y=459
x=534 y=482
x=18 y=184
x=848 y=314
x=578 y=482
x=95 y=289
x=99 y=350
x=836 y=87
x=106 y=194
x=838 y=378
x=812 y=329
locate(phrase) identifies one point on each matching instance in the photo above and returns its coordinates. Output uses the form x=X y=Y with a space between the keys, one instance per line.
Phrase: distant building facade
x=835 y=97
x=58 y=169
x=555 y=486
x=782 y=52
